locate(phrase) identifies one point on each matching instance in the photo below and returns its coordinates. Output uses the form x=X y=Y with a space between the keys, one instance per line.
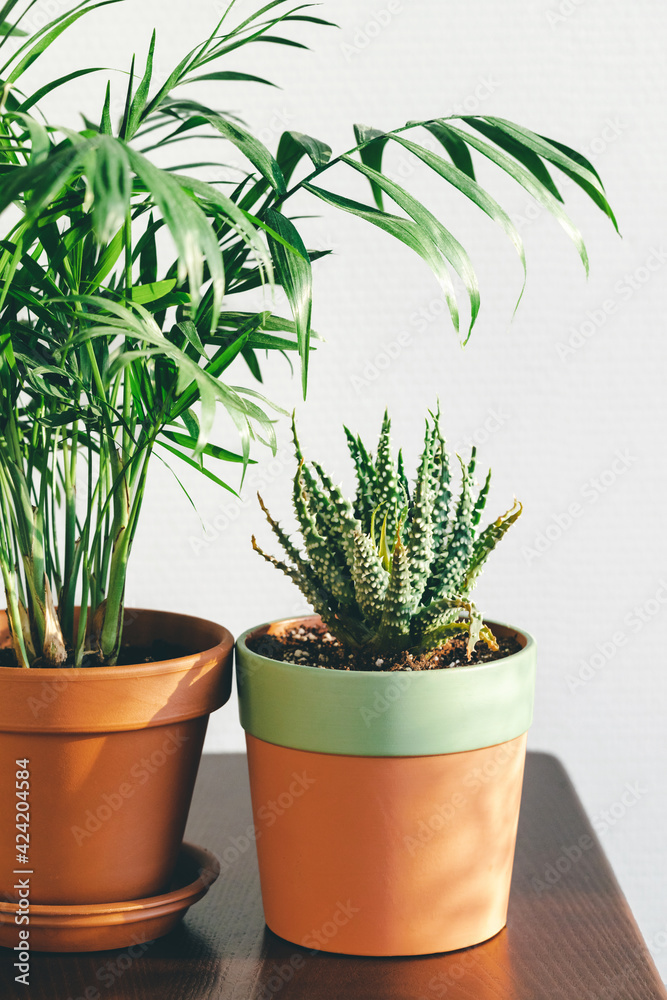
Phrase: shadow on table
x=482 y=973
x=161 y=968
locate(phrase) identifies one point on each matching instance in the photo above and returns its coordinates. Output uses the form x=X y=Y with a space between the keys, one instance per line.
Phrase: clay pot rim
x=121 y=698
x=527 y=648
x=131 y=910
x=174 y=664
x=370 y=713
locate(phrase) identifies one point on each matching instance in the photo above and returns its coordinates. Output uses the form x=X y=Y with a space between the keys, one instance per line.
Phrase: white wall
x=560 y=427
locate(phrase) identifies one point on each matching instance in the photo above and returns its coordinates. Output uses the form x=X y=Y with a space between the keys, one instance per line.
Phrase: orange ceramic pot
x=386 y=805
x=112 y=759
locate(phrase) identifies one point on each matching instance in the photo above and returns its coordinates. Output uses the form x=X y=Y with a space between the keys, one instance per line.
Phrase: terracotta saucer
x=103 y=926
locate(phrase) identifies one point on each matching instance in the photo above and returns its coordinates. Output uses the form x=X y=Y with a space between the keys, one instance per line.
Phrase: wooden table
x=570 y=933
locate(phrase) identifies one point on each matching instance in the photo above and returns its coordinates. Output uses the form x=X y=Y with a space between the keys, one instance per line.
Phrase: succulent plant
x=393 y=570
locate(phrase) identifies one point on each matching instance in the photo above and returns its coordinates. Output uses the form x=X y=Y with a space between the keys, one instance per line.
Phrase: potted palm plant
x=117 y=333
x=386 y=734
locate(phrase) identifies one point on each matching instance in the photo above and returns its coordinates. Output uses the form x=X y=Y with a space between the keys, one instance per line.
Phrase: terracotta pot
x=386 y=804
x=113 y=755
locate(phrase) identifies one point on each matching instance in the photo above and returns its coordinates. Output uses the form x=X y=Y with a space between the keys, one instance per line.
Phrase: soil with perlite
x=315 y=646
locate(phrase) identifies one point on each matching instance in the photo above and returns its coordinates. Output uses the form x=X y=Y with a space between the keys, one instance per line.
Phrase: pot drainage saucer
x=103 y=926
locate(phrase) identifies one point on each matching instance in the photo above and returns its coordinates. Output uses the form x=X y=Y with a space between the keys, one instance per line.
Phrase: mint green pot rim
x=392 y=714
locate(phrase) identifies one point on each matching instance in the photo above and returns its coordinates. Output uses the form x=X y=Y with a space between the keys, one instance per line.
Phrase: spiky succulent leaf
x=486 y=543
x=480 y=503
x=450 y=566
x=397 y=606
x=402 y=478
x=328 y=519
x=317 y=501
x=439 y=636
x=340 y=514
x=430 y=453
x=459 y=548
x=363 y=467
x=387 y=492
x=475 y=628
x=369 y=576
x=419 y=545
x=443 y=493
x=303 y=567
x=320 y=601
x=350 y=632
x=322 y=552
x=290 y=548
x=489 y=638
x=472 y=462
x=438 y=613
x=321 y=507
x=419 y=530
x=384 y=551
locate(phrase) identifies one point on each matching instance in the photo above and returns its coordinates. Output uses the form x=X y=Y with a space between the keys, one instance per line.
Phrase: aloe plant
x=393 y=570
x=117 y=318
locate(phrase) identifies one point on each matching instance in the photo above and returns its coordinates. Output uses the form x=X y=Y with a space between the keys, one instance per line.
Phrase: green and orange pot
x=385 y=804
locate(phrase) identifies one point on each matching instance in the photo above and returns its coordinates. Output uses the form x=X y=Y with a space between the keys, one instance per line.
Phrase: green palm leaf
x=530 y=183
x=406 y=230
x=442 y=240
x=474 y=192
x=371 y=144
x=457 y=149
x=10 y=29
x=48 y=88
x=295 y=275
x=43 y=38
x=576 y=167
x=189 y=228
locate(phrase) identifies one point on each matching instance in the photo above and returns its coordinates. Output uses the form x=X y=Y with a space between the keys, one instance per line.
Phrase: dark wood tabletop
x=570 y=932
